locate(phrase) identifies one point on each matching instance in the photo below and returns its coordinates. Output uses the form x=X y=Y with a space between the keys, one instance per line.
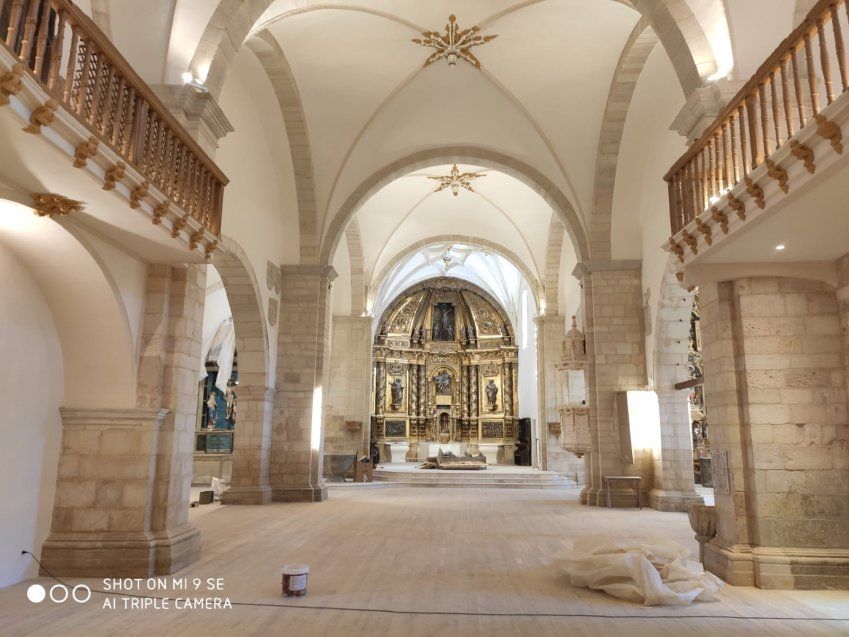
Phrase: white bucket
x=294 y=580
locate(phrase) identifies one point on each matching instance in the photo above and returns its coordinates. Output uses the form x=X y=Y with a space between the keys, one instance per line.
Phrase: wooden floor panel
x=425 y=550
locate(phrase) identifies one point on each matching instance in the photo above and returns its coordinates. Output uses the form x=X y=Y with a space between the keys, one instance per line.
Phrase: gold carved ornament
x=454 y=44
x=11 y=83
x=51 y=204
x=456 y=180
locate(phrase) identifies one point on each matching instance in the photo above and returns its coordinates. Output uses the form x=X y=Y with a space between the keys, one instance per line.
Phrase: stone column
x=249 y=481
x=613 y=324
x=122 y=492
x=551 y=329
x=775 y=389
x=297 y=435
x=674 y=486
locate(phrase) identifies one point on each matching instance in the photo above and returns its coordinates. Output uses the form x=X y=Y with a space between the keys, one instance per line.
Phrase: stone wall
x=775 y=388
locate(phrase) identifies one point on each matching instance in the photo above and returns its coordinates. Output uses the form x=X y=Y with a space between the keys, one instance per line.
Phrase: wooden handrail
x=78 y=65
x=764 y=114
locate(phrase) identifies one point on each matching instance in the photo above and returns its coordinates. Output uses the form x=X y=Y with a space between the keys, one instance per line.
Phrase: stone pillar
x=775 y=389
x=674 y=486
x=198 y=113
x=297 y=435
x=613 y=324
x=122 y=492
x=249 y=481
x=551 y=329
x=349 y=386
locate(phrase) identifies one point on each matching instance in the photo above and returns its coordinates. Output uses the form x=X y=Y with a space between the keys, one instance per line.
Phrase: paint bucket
x=295 y=580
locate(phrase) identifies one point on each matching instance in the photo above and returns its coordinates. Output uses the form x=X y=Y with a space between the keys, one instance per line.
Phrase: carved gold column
x=380 y=389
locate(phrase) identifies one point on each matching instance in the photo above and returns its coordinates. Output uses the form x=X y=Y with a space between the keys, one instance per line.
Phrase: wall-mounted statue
x=443 y=383
x=491 y=395
x=397 y=391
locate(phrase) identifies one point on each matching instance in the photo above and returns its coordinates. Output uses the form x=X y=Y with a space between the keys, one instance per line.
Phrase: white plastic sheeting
x=652 y=572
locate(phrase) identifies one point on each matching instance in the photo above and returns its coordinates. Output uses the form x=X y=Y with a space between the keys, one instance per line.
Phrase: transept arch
x=519 y=170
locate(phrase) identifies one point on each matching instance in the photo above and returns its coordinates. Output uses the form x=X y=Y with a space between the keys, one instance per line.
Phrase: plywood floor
x=443 y=550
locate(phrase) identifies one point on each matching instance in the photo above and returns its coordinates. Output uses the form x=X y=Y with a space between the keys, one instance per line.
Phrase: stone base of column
x=584 y=497
x=676 y=501
x=98 y=555
x=176 y=549
x=506 y=454
x=299 y=494
x=246 y=495
x=120 y=554
x=779 y=568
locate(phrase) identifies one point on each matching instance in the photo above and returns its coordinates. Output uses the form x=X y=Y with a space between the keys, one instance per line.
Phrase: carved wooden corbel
x=676 y=249
x=42 y=116
x=138 y=193
x=49 y=204
x=779 y=174
x=755 y=192
x=158 y=212
x=737 y=206
x=704 y=228
x=114 y=175
x=803 y=154
x=690 y=240
x=210 y=248
x=178 y=225
x=195 y=238
x=830 y=131
x=720 y=217
x=11 y=83
x=85 y=151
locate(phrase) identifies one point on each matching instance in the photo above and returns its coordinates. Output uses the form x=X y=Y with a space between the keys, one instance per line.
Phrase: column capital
x=306 y=270
x=197 y=111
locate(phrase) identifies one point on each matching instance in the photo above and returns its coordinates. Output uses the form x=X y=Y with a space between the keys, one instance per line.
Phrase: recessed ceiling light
x=780 y=247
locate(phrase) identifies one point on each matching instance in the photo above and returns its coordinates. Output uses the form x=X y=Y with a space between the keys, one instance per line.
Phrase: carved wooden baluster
x=71 y=66
x=797 y=86
x=726 y=158
x=673 y=220
x=14 y=21
x=110 y=111
x=812 y=75
x=165 y=180
x=717 y=164
x=129 y=123
x=838 y=45
x=56 y=52
x=196 y=175
x=776 y=114
x=679 y=199
x=689 y=206
x=29 y=32
x=785 y=96
x=699 y=180
x=97 y=89
x=176 y=158
x=743 y=143
x=82 y=87
x=825 y=62
x=161 y=165
x=711 y=172
x=154 y=124
x=735 y=173
x=41 y=46
x=182 y=182
x=203 y=211
x=120 y=109
x=764 y=119
x=752 y=122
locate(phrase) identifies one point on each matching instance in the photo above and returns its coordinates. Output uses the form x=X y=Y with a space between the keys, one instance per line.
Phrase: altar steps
x=494 y=478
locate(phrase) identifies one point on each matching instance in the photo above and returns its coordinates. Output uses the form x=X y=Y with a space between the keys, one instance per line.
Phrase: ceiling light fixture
x=780 y=247
x=454 y=45
x=456 y=180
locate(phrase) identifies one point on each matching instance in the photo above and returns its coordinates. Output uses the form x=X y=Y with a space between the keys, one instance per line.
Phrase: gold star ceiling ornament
x=456 y=180
x=454 y=45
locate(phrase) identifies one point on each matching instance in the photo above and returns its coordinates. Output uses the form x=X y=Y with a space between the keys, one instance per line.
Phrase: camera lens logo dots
x=59 y=593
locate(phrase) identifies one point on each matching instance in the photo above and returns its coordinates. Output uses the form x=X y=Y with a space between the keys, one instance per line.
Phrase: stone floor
x=422 y=562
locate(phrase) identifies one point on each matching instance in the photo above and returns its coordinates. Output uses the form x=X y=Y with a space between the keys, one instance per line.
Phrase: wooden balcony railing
x=782 y=97
x=78 y=66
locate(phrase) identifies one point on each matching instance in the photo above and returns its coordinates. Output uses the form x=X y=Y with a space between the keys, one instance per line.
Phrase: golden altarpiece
x=445 y=374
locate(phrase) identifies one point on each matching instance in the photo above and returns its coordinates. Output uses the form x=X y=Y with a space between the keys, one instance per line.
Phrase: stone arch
x=680 y=32
x=512 y=257
x=628 y=70
x=552 y=265
x=276 y=66
x=245 y=299
x=355 y=256
x=525 y=173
